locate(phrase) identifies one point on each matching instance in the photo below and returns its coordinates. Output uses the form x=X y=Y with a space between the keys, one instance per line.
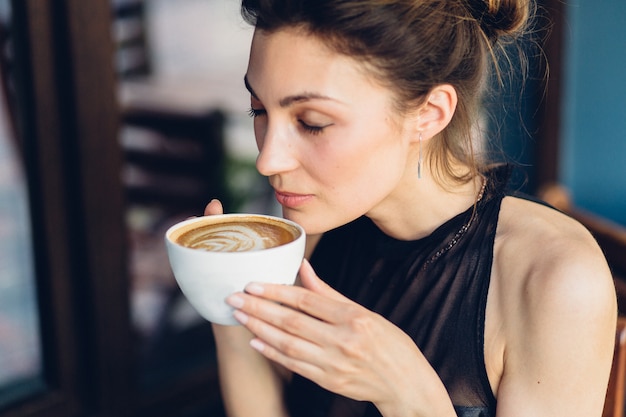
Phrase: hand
x=318 y=333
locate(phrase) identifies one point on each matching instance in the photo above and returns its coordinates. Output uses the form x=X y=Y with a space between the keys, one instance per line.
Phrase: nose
x=277 y=151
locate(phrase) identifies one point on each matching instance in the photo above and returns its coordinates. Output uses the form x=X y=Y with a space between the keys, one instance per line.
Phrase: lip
x=292 y=200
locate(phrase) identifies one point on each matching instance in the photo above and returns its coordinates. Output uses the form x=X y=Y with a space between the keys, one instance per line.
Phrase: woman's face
x=328 y=139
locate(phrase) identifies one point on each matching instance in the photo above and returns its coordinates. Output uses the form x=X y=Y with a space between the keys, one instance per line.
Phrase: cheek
x=367 y=164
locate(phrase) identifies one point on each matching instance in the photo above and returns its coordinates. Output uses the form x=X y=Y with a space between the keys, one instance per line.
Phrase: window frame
x=68 y=122
x=72 y=160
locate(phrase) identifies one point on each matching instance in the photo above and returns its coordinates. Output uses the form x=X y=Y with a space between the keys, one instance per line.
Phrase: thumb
x=310 y=281
x=214 y=207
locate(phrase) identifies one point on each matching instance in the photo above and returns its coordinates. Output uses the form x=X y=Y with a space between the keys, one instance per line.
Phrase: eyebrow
x=287 y=101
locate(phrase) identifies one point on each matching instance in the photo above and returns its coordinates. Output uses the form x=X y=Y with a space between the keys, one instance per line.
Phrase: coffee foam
x=236 y=237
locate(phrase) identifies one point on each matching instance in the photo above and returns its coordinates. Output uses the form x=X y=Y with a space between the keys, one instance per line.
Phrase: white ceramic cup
x=208 y=277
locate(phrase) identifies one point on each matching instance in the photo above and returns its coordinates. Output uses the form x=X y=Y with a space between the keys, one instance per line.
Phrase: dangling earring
x=419 y=160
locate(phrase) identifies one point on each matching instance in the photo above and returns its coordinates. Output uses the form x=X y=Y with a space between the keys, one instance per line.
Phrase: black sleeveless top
x=435 y=289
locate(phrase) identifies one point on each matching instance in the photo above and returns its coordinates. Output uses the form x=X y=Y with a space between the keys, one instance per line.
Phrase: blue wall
x=593 y=141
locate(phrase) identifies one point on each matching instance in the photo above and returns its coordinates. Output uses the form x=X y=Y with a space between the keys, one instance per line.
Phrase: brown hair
x=413 y=46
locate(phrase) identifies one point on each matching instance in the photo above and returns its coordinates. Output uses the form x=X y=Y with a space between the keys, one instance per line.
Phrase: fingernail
x=257 y=345
x=240 y=316
x=255 y=289
x=234 y=301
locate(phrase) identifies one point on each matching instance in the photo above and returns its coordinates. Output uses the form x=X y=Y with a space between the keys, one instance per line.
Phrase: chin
x=312 y=225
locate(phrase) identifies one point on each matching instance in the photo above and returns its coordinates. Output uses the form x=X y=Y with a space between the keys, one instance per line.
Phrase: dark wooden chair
x=173 y=159
x=614 y=402
x=174 y=154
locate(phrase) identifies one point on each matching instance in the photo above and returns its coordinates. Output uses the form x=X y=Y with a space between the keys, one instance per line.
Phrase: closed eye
x=252 y=112
x=315 y=130
x=312 y=129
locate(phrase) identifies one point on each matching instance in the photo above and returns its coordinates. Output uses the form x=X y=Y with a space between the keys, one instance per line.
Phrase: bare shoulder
x=550 y=273
x=542 y=247
x=549 y=270
x=554 y=301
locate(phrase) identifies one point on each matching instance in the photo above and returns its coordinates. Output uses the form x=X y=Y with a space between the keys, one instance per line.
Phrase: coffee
x=243 y=234
x=229 y=256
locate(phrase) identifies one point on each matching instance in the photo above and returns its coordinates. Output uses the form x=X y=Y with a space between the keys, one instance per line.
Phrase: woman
x=442 y=295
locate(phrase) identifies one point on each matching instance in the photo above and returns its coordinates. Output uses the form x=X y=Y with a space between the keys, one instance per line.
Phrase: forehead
x=294 y=56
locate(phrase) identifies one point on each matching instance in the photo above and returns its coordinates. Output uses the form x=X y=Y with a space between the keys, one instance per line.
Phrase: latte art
x=215 y=256
x=236 y=237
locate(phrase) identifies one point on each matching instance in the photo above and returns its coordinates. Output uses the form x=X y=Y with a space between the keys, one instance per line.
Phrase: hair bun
x=499 y=18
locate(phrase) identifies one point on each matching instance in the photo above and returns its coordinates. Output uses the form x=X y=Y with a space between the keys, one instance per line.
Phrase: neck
x=421 y=205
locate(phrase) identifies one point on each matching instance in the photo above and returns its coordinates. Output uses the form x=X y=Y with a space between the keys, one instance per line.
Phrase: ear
x=436 y=112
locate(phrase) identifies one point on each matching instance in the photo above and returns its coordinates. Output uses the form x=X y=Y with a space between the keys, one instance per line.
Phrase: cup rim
x=200 y=219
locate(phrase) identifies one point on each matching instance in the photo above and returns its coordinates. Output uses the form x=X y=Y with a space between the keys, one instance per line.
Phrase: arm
x=560 y=331
x=250 y=385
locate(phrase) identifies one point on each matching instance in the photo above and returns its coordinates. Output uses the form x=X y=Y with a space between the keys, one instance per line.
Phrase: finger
x=260 y=316
x=214 y=207
x=295 y=352
x=310 y=280
x=320 y=306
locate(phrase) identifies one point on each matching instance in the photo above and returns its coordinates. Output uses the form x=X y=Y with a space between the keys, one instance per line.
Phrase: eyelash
x=252 y=112
x=314 y=130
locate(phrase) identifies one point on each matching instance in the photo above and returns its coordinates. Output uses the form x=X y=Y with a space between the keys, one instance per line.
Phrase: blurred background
x=120 y=117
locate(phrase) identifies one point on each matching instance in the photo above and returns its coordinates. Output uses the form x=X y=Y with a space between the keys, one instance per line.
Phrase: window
x=21 y=367
x=66 y=329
